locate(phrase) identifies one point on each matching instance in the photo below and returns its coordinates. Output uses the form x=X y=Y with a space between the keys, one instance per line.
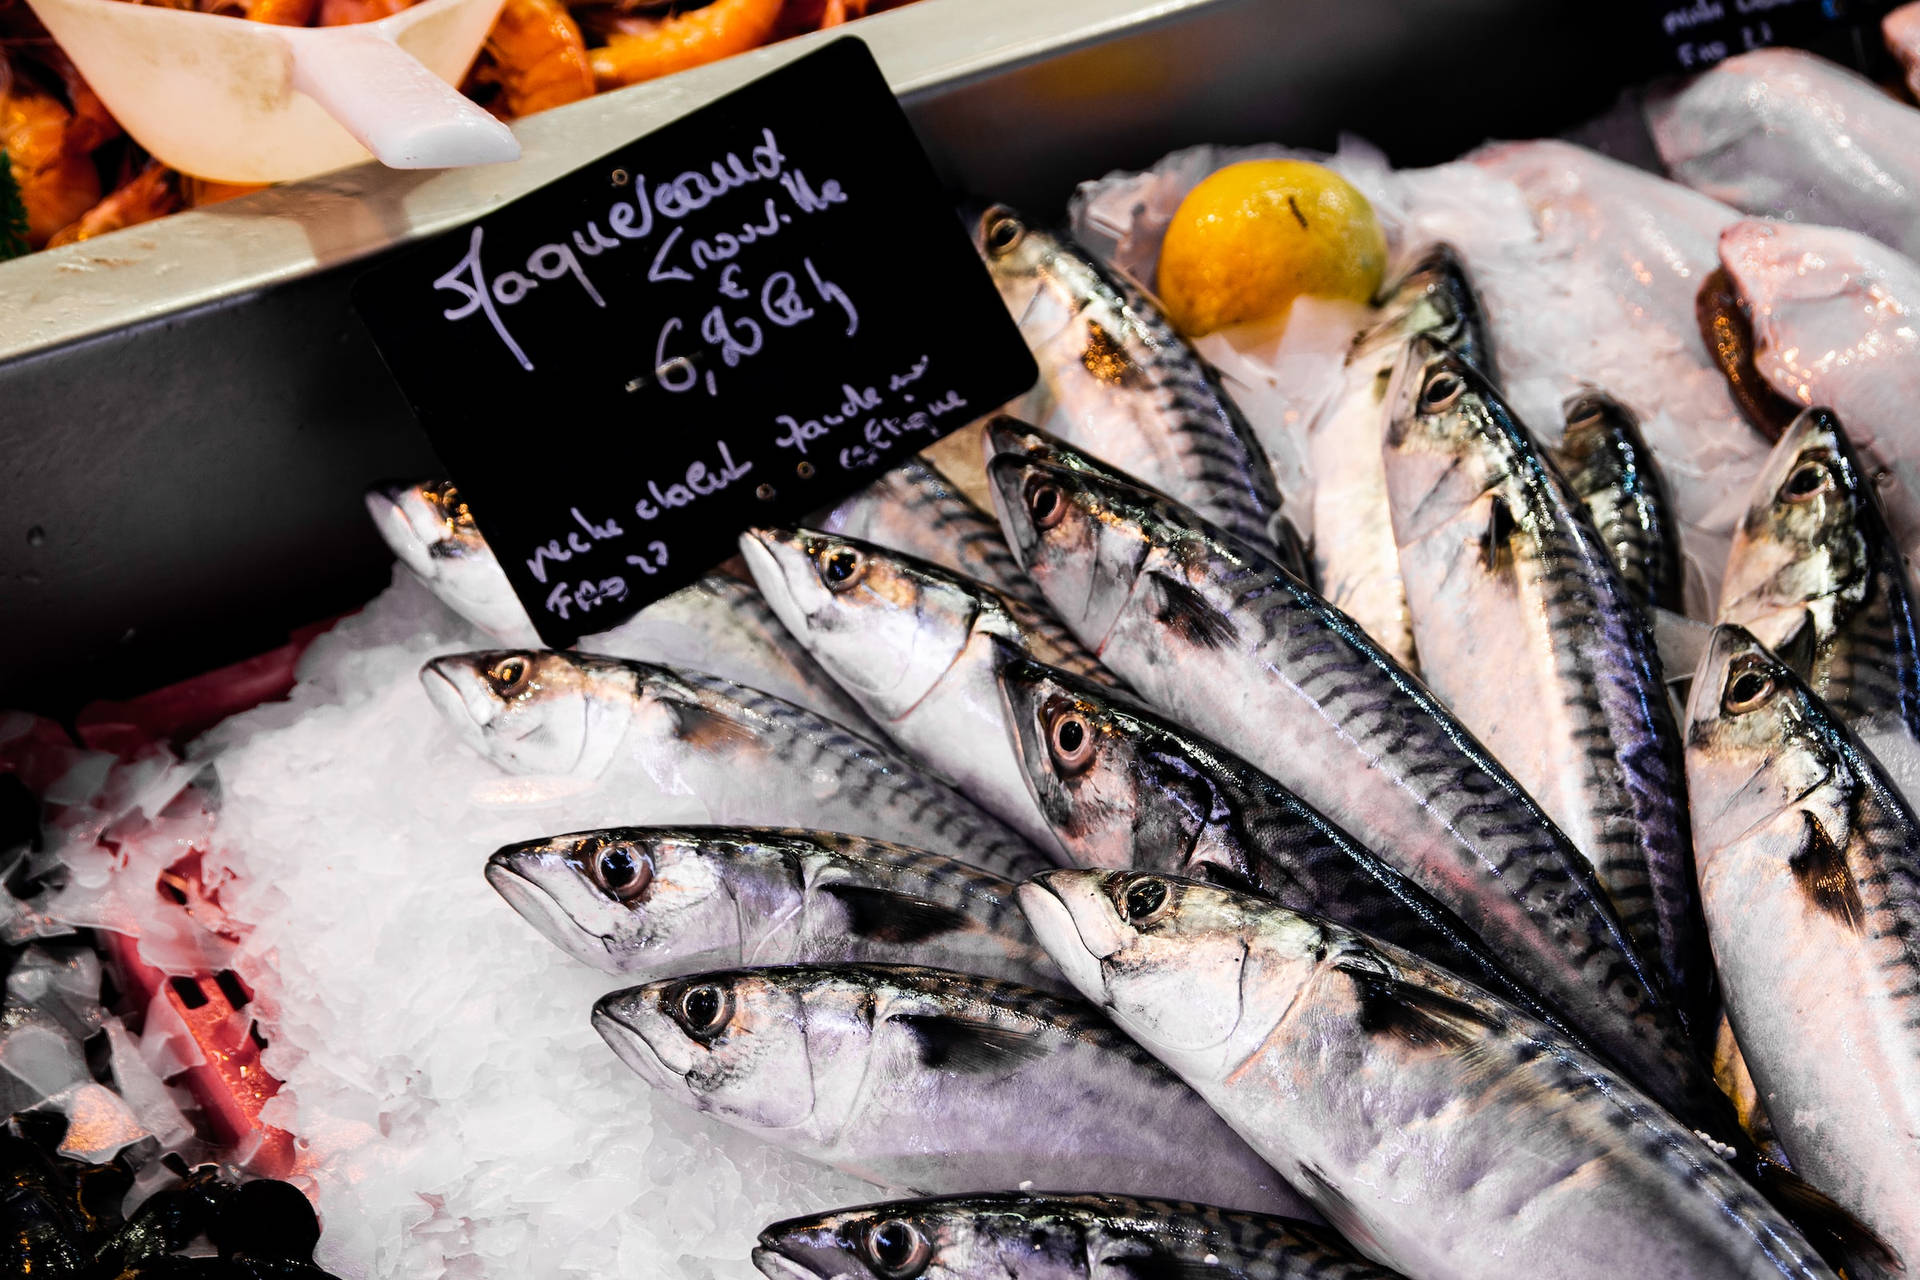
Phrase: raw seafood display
x=74 y=175
x=1140 y=886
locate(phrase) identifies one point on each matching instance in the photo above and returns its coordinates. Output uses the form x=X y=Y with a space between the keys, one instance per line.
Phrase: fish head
x=1166 y=956
x=732 y=1043
x=1040 y=277
x=1434 y=297
x=1444 y=445
x=534 y=711
x=1802 y=545
x=430 y=529
x=885 y=626
x=950 y=1238
x=1753 y=739
x=1095 y=777
x=1081 y=537
x=623 y=899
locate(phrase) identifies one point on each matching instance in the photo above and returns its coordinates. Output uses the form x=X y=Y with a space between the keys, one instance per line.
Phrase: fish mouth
x=470 y=716
x=541 y=909
x=629 y=1044
x=386 y=505
x=776 y=1265
x=1044 y=900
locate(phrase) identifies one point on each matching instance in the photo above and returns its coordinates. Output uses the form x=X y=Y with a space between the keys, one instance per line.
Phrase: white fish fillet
x=1785 y=134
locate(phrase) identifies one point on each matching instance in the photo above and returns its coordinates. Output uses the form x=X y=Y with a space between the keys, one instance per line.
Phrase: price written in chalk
x=721 y=324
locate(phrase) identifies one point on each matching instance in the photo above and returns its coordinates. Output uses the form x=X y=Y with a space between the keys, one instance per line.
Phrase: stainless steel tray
x=189 y=412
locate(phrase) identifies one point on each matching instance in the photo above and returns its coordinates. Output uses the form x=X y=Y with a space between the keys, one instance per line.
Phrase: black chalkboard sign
x=734 y=320
x=1695 y=34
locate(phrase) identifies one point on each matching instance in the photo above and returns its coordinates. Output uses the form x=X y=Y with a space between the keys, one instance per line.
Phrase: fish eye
x=1001 y=232
x=1143 y=900
x=1071 y=741
x=842 y=568
x=702 y=1009
x=897 y=1248
x=1441 y=390
x=1046 y=504
x=1808 y=480
x=510 y=677
x=1749 y=686
x=622 y=870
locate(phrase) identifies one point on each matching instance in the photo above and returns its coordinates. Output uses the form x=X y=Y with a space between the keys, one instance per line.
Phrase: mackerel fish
x=1354 y=556
x=1444 y=1133
x=1528 y=634
x=935 y=1081
x=1124 y=787
x=659 y=902
x=679 y=738
x=1816 y=577
x=1810 y=876
x=1117 y=382
x=1613 y=473
x=916 y=508
x=1218 y=637
x=1012 y=1235
x=914 y=645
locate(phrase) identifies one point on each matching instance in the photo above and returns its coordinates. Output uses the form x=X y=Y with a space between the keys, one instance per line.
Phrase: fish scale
x=1549 y=602
x=1810 y=877
x=1224 y=640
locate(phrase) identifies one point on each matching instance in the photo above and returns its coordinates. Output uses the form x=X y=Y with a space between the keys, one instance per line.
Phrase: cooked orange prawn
x=646 y=48
x=339 y=13
x=57 y=184
x=152 y=193
x=537 y=58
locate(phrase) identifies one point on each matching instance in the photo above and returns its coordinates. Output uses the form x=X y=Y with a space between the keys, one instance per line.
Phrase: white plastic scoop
x=238 y=101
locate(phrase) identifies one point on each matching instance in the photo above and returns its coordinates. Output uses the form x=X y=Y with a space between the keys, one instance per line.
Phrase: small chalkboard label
x=1698 y=33
x=735 y=320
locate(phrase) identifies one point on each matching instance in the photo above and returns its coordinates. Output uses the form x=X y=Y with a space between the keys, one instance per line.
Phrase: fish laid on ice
x=1218 y=637
x=914 y=645
x=658 y=902
x=1614 y=474
x=1529 y=635
x=1442 y=1132
x=1815 y=576
x=1810 y=876
x=916 y=508
x=1119 y=383
x=745 y=757
x=935 y=1081
x=1124 y=787
x=1013 y=1235
x=718 y=625
x=1836 y=322
x=1354 y=557
x=1787 y=134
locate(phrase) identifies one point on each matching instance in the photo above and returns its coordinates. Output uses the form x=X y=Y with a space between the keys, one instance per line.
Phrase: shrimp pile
x=79 y=176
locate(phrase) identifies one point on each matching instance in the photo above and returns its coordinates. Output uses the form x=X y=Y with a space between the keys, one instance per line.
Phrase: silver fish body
x=934 y=1081
x=1611 y=470
x=1444 y=1133
x=1220 y=638
x=1117 y=382
x=915 y=646
x=1014 y=1235
x=678 y=738
x=916 y=508
x=1507 y=575
x=1810 y=876
x=1815 y=576
x=658 y=902
x=1354 y=557
x=1786 y=134
x=1124 y=788
x=430 y=529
